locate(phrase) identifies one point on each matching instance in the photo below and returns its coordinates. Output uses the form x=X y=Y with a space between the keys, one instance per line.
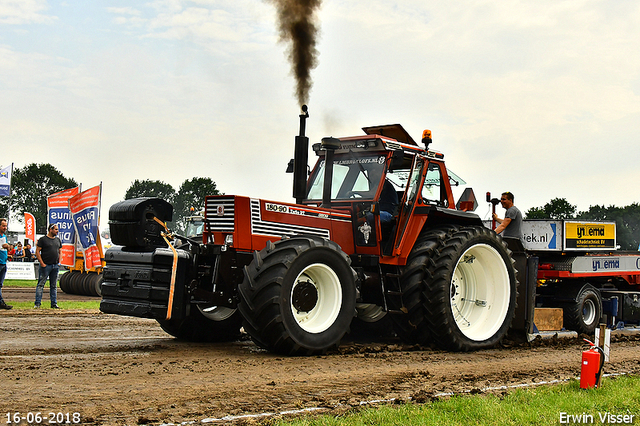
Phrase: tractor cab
x=380 y=178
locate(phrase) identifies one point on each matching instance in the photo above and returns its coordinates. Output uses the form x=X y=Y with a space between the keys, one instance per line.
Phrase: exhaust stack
x=300 y=160
x=329 y=144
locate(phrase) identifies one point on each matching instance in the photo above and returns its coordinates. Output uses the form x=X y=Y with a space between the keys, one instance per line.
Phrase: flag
x=5 y=181
x=85 y=214
x=58 y=213
x=30 y=227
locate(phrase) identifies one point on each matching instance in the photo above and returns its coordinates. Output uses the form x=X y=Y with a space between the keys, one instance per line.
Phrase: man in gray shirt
x=512 y=222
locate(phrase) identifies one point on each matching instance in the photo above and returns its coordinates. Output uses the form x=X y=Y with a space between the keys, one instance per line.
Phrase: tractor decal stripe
x=286 y=209
x=261 y=227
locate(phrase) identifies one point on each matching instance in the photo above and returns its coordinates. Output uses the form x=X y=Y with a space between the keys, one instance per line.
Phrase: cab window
x=353 y=177
x=433 y=191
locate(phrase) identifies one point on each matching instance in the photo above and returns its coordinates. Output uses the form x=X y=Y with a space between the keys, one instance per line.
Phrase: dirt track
x=118 y=370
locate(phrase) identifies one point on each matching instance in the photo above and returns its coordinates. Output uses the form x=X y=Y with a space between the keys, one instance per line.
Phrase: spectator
x=48 y=254
x=28 y=254
x=512 y=222
x=18 y=254
x=3 y=260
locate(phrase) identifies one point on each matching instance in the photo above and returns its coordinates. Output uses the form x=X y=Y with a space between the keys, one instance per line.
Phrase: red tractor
x=374 y=232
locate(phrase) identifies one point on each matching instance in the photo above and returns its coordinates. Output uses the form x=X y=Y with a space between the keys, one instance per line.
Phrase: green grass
x=92 y=304
x=540 y=405
x=20 y=283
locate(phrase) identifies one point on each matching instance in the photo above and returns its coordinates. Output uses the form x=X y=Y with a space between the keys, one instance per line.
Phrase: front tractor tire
x=205 y=324
x=470 y=299
x=298 y=296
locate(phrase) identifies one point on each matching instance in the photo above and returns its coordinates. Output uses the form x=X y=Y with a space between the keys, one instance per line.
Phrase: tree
x=536 y=213
x=151 y=188
x=30 y=187
x=558 y=208
x=191 y=195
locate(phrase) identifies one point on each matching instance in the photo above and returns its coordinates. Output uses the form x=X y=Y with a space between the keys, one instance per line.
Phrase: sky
x=541 y=98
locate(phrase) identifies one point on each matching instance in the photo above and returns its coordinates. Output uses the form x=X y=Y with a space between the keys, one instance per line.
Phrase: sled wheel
x=298 y=296
x=411 y=326
x=471 y=298
x=97 y=281
x=87 y=285
x=205 y=324
x=64 y=280
x=75 y=282
x=584 y=313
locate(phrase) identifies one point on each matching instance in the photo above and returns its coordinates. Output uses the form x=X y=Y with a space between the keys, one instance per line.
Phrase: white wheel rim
x=480 y=292
x=588 y=312
x=329 y=298
x=216 y=313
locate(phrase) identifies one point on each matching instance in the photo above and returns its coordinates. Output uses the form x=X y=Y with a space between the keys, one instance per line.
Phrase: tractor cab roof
x=394 y=131
x=389 y=137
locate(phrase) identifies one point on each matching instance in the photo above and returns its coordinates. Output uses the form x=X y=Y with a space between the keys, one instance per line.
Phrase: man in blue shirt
x=3 y=260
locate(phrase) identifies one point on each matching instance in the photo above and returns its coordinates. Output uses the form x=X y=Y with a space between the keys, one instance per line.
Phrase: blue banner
x=58 y=211
x=5 y=181
x=84 y=209
x=62 y=217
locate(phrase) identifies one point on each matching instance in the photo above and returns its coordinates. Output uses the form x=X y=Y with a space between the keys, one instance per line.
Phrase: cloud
x=230 y=26
x=19 y=12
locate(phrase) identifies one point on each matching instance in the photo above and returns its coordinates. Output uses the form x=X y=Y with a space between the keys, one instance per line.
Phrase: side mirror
x=467 y=201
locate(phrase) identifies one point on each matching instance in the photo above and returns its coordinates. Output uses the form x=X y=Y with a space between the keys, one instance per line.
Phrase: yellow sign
x=590 y=235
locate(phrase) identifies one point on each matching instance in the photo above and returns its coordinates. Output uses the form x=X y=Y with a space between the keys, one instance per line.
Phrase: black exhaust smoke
x=298 y=28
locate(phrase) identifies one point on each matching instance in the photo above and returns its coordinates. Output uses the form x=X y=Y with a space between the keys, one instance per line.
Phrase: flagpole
x=9 y=202
x=99 y=206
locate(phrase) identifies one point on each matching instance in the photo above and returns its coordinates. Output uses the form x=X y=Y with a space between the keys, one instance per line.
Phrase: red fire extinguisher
x=592 y=364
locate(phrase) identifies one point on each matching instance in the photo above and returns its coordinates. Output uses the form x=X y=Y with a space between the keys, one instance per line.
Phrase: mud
x=117 y=370
x=20 y=294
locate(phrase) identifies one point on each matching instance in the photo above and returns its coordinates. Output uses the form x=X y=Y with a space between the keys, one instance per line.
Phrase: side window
x=432 y=188
x=339 y=173
x=414 y=180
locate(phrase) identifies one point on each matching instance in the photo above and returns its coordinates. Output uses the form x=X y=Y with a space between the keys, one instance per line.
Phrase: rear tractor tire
x=470 y=299
x=412 y=327
x=298 y=296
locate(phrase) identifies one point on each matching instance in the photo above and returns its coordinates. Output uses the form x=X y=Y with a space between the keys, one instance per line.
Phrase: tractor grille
x=220 y=214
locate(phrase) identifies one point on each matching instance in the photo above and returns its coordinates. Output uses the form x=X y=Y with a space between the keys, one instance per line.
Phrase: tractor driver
x=388 y=202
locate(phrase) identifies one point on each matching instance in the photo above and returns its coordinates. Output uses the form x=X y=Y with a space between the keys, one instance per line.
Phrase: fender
x=439 y=215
